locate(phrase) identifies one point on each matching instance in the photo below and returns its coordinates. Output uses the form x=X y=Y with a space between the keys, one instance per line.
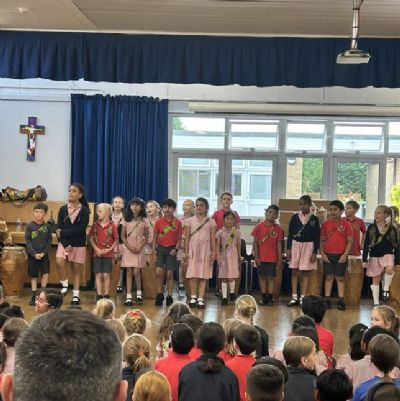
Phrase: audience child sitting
x=385 y=353
x=269 y=360
x=152 y=386
x=135 y=322
x=175 y=312
x=118 y=329
x=356 y=353
x=315 y=306
x=194 y=323
x=208 y=378
x=182 y=341
x=385 y=316
x=14 y=311
x=230 y=326
x=299 y=353
x=246 y=310
x=383 y=391
x=364 y=369
x=264 y=383
x=333 y=385
x=48 y=299
x=245 y=342
x=105 y=309
x=137 y=354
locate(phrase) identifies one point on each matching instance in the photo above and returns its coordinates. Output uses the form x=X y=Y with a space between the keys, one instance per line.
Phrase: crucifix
x=31 y=130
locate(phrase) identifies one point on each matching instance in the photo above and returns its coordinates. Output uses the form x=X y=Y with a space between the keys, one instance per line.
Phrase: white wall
x=50 y=102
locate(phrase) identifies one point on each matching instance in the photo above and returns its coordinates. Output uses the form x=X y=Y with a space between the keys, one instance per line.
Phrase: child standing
x=336 y=243
x=167 y=236
x=267 y=249
x=134 y=236
x=302 y=248
x=358 y=226
x=228 y=256
x=38 y=243
x=103 y=237
x=382 y=247
x=117 y=218
x=200 y=251
x=72 y=221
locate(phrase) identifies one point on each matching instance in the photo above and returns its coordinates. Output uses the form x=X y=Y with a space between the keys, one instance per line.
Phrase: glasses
x=41 y=301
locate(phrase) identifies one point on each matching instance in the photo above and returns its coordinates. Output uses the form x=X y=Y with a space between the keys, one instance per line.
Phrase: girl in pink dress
x=200 y=251
x=134 y=236
x=117 y=217
x=228 y=256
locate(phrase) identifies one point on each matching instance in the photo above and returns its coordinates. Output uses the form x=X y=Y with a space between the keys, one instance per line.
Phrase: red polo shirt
x=334 y=235
x=104 y=237
x=240 y=366
x=170 y=238
x=218 y=216
x=358 y=227
x=195 y=353
x=171 y=366
x=325 y=338
x=268 y=250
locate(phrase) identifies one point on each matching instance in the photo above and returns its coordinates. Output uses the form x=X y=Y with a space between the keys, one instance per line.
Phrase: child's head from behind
x=385 y=352
x=385 y=316
x=103 y=211
x=39 y=211
x=230 y=326
x=152 y=386
x=246 y=338
x=134 y=322
x=269 y=360
x=383 y=391
x=182 y=338
x=309 y=332
x=192 y=321
x=137 y=352
x=14 y=311
x=12 y=329
x=105 y=308
x=264 y=383
x=315 y=307
x=229 y=218
x=175 y=312
x=303 y=321
x=333 y=385
x=48 y=299
x=355 y=336
x=246 y=307
x=299 y=351
x=136 y=208
x=370 y=334
x=211 y=338
x=118 y=329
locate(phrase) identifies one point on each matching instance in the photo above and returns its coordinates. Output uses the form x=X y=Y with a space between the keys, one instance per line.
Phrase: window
x=394 y=137
x=236 y=187
x=309 y=137
x=358 y=137
x=253 y=135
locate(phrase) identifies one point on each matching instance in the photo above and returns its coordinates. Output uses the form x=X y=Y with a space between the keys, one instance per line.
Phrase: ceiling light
x=23 y=10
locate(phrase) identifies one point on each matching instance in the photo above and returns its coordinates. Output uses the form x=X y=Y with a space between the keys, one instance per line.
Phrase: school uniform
x=360 y=393
x=228 y=261
x=325 y=339
x=300 y=385
x=262 y=348
x=344 y=361
x=218 y=216
x=358 y=227
x=135 y=234
x=240 y=366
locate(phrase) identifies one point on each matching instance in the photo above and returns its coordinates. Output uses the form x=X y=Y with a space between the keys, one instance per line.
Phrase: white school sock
x=64 y=283
x=232 y=286
x=180 y=278
x=139 y=292
x=224 y=287
x=294 y=296
x=129 y=295
x=387 y=280
x=75 y=293
x=375 y=293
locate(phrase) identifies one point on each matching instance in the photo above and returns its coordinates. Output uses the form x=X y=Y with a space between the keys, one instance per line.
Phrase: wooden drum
x=354 y=281
x=14 y=266
x=278 y=283
x=316 y=279
x=394 y=300
x=114 y=280
x=149 y=278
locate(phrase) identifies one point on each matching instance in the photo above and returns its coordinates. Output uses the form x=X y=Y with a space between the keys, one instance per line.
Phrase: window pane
x=305 y=136
x=195 y=162
x=392 y=178
x=359 y=181
x=357 y=137
x=251 y=188
x=394 y=137
x=198 y=133
x=259 y=135
x=304 y=176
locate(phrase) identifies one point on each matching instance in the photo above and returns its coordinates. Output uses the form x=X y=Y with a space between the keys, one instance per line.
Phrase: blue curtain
x=301 y=62
x=120 y=146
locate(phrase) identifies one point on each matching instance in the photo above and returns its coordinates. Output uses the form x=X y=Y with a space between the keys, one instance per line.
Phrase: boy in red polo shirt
x=226 y=199
x=182 y=340
x=358 y=226
x=267 y=250
x=335 y=246
x=246 y=338
x=167 y=236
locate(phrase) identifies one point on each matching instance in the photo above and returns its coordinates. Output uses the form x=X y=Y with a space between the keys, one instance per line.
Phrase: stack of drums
x=14 y=266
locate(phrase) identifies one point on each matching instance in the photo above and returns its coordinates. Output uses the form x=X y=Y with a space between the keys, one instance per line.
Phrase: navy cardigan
x=73 y=234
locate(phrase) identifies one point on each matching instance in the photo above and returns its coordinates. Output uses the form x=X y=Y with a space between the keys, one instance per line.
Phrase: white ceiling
x=379 y=18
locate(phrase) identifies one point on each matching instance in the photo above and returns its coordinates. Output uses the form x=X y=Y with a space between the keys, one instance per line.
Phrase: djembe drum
x=14 y=265
x=149 y=279
x=354 y=281
x=316 y=279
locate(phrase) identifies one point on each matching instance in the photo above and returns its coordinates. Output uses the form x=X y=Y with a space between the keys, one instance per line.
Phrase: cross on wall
x=31 y=130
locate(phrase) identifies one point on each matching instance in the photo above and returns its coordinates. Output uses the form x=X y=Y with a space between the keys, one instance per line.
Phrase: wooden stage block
x=316 y=279
x=354 y=281
x=149 y=278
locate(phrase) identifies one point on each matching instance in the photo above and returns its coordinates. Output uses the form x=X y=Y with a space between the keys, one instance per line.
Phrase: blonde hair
x=157 y=205
x=137 y=352
x=134 y=322
x=389 y=317
x=118 y=328
x=246 y=306
x=104 y=308
x=297 y=347
x=152 y=386
x=230 y=326
x=104 y=206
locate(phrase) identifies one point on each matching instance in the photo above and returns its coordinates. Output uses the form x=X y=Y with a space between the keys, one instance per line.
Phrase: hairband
x=133 y=313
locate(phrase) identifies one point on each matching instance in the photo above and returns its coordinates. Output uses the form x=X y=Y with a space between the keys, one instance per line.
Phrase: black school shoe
x=169 y=300
x=341 y=305
x=328 y=303
x=75 y=300
x=264 y=300
x=32 y=302
x=224 y=302
x=232 y=297
x=159 y=299
x=270 y=300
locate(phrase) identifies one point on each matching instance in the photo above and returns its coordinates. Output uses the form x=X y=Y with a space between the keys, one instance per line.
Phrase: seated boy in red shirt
x=267 y=250
x=335 y=246
x=246 y=338
x=182 y=340
x=167 y=236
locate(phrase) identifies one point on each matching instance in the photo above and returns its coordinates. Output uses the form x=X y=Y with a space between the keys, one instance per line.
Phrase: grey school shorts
x=164 y=259
x=334 y=268
x=267 y=269
x=102 y=265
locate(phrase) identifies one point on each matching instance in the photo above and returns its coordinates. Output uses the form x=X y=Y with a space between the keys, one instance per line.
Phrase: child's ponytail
x=213 y=364
x=137 y=352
